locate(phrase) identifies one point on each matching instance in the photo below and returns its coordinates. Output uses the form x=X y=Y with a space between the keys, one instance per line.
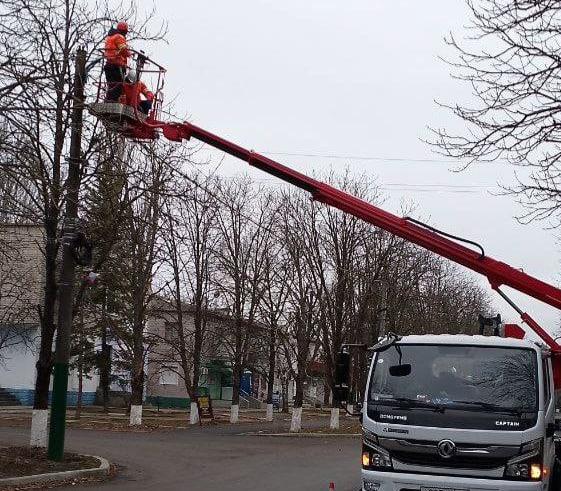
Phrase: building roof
x=165 y=305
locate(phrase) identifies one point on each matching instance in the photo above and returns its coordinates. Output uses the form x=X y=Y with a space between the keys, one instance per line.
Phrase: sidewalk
x=117 y=419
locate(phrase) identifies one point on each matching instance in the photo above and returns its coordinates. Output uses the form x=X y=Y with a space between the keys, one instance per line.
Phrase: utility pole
x=383 y=309
x=66 y=284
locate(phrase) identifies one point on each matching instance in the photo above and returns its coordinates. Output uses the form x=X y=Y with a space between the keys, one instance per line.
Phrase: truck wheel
x=555 y=484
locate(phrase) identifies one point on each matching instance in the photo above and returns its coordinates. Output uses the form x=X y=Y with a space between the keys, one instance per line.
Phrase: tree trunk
x=197 y=348
x=285 y=395
x=326 y=391
x=137 y=376
x=334 y=419
x=236 y=384
x=296 y=423
x=271 y=373
x=272 y=363
x=105 y=368
x=80 y=389
x=137 y=389
x=44 y=363
x=299 y=395
x=105 y=372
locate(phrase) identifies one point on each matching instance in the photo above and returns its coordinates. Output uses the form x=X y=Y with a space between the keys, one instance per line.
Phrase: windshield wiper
x=491 y=407
x=406 y=402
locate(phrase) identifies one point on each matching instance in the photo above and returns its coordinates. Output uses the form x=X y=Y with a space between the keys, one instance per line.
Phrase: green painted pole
x=66 y=284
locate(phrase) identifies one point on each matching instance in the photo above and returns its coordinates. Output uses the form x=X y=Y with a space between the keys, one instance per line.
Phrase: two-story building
x=165 y=385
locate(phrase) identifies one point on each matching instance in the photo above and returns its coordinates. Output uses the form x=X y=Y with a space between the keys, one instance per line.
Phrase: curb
x=102 y=470
x=302 y=435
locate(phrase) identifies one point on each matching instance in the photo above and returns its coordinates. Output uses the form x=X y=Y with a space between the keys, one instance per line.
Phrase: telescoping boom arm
x=497 y=272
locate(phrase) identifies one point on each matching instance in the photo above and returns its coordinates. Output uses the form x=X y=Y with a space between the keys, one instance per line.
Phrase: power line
x=427 y=184
x=362 y=157
x=368 y=157
x=224 y=202
x=447 y=191
x=404 y=187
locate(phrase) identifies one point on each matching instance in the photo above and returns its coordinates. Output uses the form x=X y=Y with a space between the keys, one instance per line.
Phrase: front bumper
x=398 y=481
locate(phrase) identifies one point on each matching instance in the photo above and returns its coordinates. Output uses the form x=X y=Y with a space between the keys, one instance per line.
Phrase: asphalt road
x=215 y=459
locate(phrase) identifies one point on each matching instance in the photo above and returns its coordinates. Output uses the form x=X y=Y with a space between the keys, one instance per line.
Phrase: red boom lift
x=127 y=121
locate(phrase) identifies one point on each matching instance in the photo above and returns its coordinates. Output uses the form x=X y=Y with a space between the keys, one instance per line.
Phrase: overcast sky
x=354 y=78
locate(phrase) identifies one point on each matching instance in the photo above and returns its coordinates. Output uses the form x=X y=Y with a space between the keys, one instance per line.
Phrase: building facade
x=21 y=293
x=165 y=381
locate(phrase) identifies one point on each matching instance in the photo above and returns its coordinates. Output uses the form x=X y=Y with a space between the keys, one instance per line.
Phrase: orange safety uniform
x=116 y=49
x=133 y=90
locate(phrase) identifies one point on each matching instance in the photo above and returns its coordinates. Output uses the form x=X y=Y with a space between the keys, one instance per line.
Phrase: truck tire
x=555 y=484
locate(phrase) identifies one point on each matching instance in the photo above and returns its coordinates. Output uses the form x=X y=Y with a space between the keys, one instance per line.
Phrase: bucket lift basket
x=124 y=118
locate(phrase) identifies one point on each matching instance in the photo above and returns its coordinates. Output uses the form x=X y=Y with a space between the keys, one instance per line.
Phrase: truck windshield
x=478 y=378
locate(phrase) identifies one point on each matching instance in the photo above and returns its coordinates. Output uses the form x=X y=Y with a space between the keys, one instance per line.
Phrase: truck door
x=549 y=417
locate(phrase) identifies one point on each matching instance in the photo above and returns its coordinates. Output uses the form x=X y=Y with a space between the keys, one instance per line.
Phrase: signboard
x=204 y=404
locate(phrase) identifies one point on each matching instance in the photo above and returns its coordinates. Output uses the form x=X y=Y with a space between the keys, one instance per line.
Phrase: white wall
x=88 y=384
x=17 y=368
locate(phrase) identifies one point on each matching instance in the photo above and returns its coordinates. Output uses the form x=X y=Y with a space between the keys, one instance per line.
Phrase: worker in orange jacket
x=116 y=55
x=133 y=89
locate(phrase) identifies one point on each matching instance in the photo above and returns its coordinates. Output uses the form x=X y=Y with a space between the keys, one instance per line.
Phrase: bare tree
x=244 y=223
x=273 y=305
x=141 y=229
x=132 y=265
x=340 y=256
x=39 y=39
x=301 y=235
x=511 y=62
x=189 y=240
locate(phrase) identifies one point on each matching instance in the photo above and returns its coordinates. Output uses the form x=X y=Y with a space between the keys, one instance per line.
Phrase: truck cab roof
x=477 y=340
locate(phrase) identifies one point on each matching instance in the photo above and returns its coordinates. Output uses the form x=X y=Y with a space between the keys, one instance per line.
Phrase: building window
x=168 y=376
x=171 y=333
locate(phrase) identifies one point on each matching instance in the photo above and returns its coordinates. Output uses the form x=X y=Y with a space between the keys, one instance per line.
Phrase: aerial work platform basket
x=124 y=116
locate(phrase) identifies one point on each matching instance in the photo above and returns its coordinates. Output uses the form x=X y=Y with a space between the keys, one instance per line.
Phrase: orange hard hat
x=123 y=26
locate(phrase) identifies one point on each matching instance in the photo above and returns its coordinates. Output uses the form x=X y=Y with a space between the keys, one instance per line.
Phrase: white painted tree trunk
x=350 y=408
x=269 y=414
x=234 y=413
x=136 y=415
x=296 y=422
x=334 y=420
x=39 y=427
x=194 y=414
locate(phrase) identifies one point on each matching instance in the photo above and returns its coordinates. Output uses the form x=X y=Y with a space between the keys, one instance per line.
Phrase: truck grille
x=460 y=462
x=467 y=456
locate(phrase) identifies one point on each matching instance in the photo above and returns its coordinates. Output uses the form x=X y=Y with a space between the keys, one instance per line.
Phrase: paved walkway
x=215 y=459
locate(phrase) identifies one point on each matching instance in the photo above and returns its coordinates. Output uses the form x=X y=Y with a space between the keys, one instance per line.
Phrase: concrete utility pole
x=66 y=284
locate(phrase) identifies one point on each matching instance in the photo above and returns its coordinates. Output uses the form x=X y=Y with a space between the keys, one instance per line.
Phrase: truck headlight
x=375 y=457
x=529 y=465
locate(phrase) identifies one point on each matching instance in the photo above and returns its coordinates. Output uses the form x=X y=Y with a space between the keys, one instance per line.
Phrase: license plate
x=430 y=488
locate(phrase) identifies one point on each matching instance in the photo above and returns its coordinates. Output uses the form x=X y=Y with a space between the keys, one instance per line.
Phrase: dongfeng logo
x=446 y=449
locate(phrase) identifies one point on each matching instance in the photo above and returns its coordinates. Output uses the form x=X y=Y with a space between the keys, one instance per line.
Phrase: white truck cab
x=459 y=413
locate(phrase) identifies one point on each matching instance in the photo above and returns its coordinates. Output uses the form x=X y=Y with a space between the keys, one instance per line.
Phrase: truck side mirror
x=341 y=386
x=402 y=370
